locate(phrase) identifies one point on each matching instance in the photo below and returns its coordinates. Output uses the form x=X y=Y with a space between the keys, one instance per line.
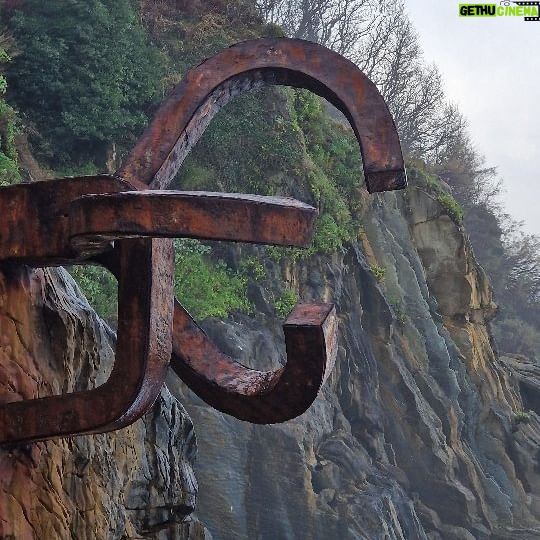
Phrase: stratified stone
x=415 y=434
x=135 y=483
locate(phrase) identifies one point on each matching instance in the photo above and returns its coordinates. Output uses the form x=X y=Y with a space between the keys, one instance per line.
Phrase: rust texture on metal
x=255 y=396
x=118 y=222
x=208 y=216
x=182 y=118
x=143 y=349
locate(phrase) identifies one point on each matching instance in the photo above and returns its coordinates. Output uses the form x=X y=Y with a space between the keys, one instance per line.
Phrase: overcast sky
x=491 y=69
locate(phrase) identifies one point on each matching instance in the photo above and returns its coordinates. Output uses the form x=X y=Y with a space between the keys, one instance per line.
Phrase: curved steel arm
x=184 y=116
x=256 y=396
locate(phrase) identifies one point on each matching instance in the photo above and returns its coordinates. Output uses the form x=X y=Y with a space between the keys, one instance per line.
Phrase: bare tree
x=337 y=24
x=379 y=37
x=523 y=261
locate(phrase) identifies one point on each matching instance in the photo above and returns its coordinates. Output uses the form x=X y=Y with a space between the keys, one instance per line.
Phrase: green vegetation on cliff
x=206 y=287
x=9 y=170
x=85 y=75
x=88 y=74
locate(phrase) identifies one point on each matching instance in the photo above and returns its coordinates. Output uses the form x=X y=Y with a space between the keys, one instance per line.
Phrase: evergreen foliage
x=9 y=169
x=85 y=76
x=206 y=287
x=100 y=288
x=285 y=302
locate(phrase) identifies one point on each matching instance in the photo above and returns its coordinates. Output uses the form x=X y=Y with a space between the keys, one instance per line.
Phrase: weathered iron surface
x=143 y=348
x=118 y=222
x=35 y=220
x=208 y=216
x=255 y=396
x=183 y=117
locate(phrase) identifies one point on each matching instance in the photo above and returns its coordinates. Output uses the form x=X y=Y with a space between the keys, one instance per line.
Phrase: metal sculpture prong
x=256 y=396
x=185 y=114
x=118 y=222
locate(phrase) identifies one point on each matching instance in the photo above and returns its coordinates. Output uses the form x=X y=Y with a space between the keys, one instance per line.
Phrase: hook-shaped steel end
x=256 y=396
x=177 y=126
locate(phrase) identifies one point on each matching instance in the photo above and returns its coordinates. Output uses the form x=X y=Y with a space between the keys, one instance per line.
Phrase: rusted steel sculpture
x=118 y=222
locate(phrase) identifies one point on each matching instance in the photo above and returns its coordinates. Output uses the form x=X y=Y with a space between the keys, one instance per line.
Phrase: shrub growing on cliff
x=522 y=417
x=85 y=75
x=378 y=271
x=207 y=288
x=451 y=206
x=284 y=304
x=250 y=146
x=9 y=169
x=398 y=309
x=100 y=289
x=445 y=199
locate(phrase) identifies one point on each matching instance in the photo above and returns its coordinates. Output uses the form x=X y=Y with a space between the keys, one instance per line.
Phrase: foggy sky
x=491 y=69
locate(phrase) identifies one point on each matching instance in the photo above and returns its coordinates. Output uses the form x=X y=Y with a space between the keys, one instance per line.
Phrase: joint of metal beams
x=118 y=222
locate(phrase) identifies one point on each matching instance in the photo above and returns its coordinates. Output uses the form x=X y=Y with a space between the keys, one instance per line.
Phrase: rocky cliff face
x=135 y=483
x=418 y=434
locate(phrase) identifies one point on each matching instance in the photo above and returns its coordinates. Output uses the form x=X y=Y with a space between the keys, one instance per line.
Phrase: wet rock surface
x=422 y=430
x=415 y=433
